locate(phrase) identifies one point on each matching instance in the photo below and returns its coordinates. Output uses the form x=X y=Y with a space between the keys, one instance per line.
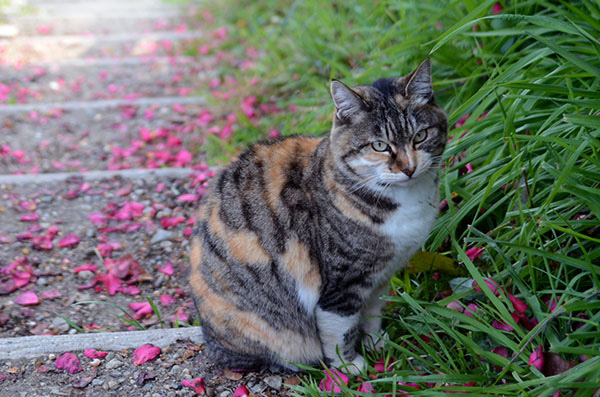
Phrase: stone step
x=138 y=22
x=129 y=136
x=52 y=107
x=63 y=47
x=66 y=205
x=99 y=8
x=39 y=346
x=87 y=81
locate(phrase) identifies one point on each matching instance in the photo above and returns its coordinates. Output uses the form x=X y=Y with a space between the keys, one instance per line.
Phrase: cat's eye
x=421 y=136
x=380 y=146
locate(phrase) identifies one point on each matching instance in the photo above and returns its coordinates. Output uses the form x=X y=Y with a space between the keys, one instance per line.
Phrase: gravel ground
x=115 y=375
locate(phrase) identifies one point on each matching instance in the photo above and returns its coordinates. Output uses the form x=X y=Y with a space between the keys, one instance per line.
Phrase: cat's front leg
x=339 y=335
x=371 y=319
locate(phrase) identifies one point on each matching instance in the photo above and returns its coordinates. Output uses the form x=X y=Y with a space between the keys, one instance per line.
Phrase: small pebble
x=114 y=363
x=161 y=235
x=85 y=275
x=274 y=381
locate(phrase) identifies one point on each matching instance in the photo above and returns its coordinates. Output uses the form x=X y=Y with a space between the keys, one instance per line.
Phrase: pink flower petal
x=112 y=283
x=501 y=351
x=180 y=316
x=501 y=325
x=497 y=9
x=27 y=299
x=51 y=294
x=496 y=289
x=519 y=305
x=188 y=197
x=333 y=379
x=167 y=300
x=196 y=384
x=537 y=358
x=474 y=252
x=141 y=309
x=68 y=362
x=98 y=219
x=145 y=353
x=379 y=366
x=41 y=243
x=456 y=306
x=471 y=309
x=366 y=387
x=167 y=269
x=69 y=240
x=241 y=391
x=87 y=267
x=168 y=222
x=30 y=217
x=408 y=386
x=51 y=232
x=93 y=354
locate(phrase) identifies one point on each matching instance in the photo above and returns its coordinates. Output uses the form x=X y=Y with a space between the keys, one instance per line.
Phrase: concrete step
x=138 y=22
x=63 y=47
x=86 y=138
x=87 y=81
x=38 y=346
x=98 y=8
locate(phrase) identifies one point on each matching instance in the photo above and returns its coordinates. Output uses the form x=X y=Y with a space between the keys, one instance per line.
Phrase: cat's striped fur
x=298 y=238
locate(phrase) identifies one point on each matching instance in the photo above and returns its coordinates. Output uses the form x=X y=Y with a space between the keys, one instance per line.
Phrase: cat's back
x=249 y=270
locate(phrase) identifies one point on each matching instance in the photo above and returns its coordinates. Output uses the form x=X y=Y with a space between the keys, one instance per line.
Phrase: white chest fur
x=409 y=225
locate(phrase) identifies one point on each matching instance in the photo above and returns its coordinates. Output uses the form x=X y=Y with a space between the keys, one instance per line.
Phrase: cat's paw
x=356 y=366
x=374 y=342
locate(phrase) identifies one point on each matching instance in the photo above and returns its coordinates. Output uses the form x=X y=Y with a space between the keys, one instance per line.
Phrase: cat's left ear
x=347 y=101
x=419 y=87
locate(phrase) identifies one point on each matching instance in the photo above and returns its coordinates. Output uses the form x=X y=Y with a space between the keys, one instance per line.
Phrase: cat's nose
x=409 y=171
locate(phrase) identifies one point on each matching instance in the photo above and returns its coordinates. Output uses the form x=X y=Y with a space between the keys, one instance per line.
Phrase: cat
x=298 y=238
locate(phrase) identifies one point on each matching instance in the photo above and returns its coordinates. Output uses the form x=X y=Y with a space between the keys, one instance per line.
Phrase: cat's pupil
x=421 y=136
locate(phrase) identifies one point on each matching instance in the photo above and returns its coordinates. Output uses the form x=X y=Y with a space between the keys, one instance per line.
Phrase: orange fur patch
x=244 y=246
x=297 y=261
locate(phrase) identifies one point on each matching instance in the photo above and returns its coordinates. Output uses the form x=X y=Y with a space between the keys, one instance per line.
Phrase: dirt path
x=100 y=86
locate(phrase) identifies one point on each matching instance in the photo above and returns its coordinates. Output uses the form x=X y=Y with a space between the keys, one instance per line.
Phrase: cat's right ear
x=347 y=101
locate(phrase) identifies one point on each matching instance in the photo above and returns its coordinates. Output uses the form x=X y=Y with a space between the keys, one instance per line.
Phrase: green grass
x=529 y=79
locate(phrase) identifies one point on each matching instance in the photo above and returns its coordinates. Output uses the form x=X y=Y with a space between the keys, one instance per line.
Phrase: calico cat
x=297 y=239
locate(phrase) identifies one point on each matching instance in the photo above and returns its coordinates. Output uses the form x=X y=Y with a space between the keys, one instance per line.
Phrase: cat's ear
x=347 y=101
x=419 y=87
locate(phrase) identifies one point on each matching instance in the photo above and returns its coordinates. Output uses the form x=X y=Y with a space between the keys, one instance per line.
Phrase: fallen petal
x=536 y=358
x=69 y=240
x=519 y=305
x=474 y=252
x=145 y=353
x=241 y=391
x=68 y=362
x=167 y=269
x=93 y=354
x=196 y=384
x=27 y=299
x=333 y=379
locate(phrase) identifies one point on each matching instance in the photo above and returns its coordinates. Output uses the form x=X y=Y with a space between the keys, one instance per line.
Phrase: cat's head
x=390 y=132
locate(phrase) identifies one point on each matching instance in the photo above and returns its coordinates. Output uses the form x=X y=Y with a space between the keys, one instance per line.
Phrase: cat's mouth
x=400 y=178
